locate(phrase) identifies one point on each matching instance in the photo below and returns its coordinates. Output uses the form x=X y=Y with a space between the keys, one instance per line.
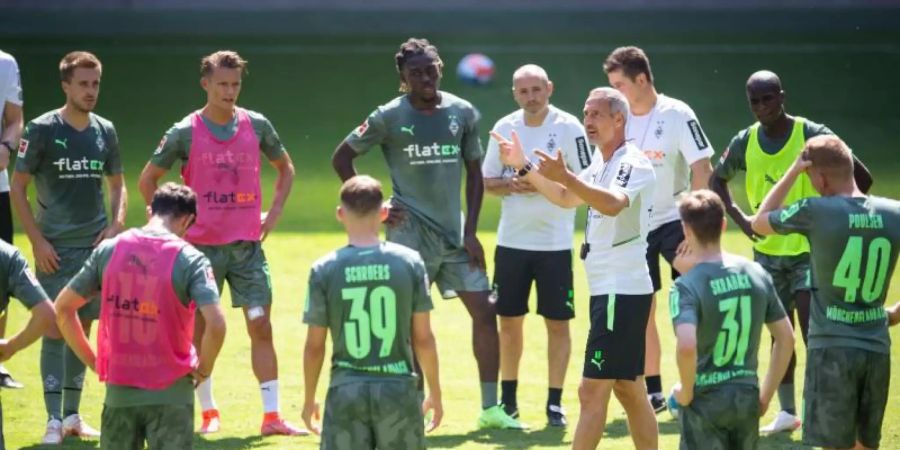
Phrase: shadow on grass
x=229 y=443
x=619 y=427
x=503 y=439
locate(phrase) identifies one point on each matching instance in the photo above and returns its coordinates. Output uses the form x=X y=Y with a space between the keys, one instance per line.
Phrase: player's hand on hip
x=310 y=412
x=45 y=257
x=110 y=231
x=198 y=376
x=268 y=221
x=475 y=251
x=436 y=408
x=683 y=396
x=553 y=169
x=893 y=315
x=396 y=214
x=511 y=153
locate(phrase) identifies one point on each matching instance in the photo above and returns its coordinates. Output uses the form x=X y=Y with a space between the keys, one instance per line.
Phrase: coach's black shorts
x=515 y=269
x=615 y=346
x=663 y=241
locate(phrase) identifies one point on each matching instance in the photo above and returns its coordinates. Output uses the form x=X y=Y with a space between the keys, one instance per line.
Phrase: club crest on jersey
x=454 y=126
x=658 y=132
x=624 y=175
x=23 y=147
x=100 y=142
x=551 y=143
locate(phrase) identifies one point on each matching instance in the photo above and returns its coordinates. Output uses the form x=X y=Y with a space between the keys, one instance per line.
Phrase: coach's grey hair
x=530 y=69
x=616 y=100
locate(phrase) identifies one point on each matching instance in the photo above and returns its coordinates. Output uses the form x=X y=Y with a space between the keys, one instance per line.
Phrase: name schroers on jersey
x=79 y=168
x=368 y=272
x=432 y=154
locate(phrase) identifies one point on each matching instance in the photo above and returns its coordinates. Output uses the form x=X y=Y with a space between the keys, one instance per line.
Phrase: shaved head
x=764 y=81
x=530 y=70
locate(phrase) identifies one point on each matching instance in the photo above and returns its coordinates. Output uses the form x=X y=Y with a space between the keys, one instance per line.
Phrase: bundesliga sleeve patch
x=162 y=143
x=361 y=129
x=697 y=134
x=584 y=152
x=724 y=156
x=624 y=175
x=23 y=147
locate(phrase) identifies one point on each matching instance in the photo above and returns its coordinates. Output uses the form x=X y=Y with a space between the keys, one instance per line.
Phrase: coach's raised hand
x=553 y=169
x=511 y=153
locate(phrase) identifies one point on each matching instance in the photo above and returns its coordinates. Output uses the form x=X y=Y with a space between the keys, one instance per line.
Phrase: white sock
x=269 y=391
x=205 y=396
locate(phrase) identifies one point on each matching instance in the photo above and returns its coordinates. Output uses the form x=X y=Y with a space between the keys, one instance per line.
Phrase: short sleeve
x=682 y=305
x=316 y=310
x=422 y=290
x=113 y=164
x=368 y=134
x=577 y=149
x=471 y=142
x=201 y=282
x=169 y=150
x=89 y=280
x=632 y=177
x=733 y=159
x=491 y=167
x=12 y=92
x=269 y=141
x=22 y=283
x=796 y=218
x=31 y=146
x=693 y=145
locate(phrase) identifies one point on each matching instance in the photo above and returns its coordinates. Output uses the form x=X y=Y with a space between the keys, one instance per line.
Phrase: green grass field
x=315 y=89
x=291 y=254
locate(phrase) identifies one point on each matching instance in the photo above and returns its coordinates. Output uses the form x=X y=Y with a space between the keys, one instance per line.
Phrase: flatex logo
x=432 y=154
x=70 y=168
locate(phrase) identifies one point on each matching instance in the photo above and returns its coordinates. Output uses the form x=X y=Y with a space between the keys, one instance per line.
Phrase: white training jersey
x=617 y=260
x=10 y=91
x=672 y=139
x=530 y=221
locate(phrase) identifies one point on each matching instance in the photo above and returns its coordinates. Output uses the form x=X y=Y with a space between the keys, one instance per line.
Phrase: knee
x=630 y=394
x=592 y=398
x=260 y=329
x=558 y=329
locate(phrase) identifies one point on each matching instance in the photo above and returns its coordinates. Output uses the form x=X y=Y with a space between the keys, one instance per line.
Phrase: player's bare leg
x=593 y=396
x=511 y=336
x=559 y=349
x=653 y=356
x=209 y=411
x=265 y=367
x=641 y=418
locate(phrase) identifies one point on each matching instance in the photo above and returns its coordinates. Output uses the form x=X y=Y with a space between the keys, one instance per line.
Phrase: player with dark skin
x=766 y=98
x=421 y=75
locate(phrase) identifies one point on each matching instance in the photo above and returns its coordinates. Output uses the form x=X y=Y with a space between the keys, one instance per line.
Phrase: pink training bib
x=145 y=333
x=225 y=176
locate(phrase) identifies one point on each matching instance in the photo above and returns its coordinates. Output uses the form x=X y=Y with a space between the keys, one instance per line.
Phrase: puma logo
x=408 y=130
x=62 y=143
x=771 y=180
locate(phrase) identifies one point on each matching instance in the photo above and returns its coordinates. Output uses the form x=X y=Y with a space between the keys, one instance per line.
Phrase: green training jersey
x=18 y=280
x=68 y=166
x=366 y=297
x=176 y=143
x=425 y=152
x=854 y=243
x=728 y=302
x=192 y=280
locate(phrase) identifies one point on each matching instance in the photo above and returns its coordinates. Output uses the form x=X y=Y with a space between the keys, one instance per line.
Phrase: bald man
x=534 y=239
x=765 y=151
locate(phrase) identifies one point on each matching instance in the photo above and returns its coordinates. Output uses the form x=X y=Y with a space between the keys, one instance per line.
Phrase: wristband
x=525 y=169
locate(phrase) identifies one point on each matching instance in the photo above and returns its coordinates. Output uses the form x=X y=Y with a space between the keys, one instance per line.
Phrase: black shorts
x=6 y=233
x=515 y=269
x=615 y=345
x=663 y=241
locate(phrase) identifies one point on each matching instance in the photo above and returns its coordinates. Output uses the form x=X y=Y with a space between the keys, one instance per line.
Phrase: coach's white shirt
x=617 y=260
x=530 y=221
x=10 y=91
x=672 y=139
